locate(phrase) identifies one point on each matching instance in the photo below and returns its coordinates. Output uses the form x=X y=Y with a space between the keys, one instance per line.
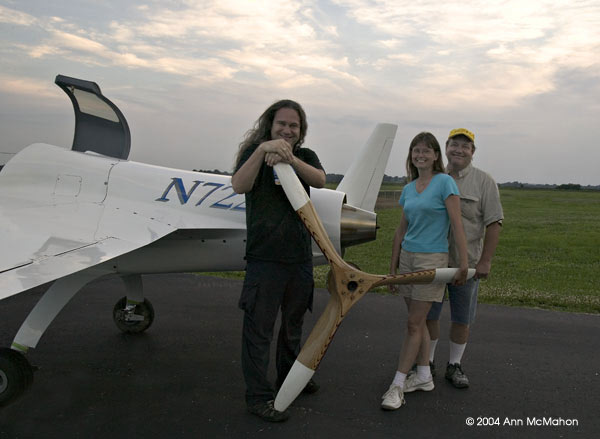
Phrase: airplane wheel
x=133 y=319
x=16 y=375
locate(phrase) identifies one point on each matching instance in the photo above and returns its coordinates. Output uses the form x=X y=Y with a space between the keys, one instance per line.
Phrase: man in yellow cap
x=482 y=220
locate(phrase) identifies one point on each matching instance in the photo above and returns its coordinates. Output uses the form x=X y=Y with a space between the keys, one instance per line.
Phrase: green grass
x=548 y=256
x=549 y=252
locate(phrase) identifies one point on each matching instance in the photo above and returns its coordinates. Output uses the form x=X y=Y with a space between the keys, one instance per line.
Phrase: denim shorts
x=463 y=303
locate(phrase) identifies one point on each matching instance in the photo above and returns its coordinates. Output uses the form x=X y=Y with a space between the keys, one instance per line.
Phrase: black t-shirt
x=275 y=231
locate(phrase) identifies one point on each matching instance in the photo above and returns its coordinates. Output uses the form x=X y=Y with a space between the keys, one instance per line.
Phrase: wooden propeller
x=346 y=286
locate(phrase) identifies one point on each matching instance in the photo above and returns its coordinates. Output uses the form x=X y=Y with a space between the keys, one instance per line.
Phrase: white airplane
x=71 y=216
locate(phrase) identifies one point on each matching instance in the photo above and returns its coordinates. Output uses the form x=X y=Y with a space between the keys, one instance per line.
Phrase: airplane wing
x=51 y=212
x=54 y=221
x=62 y=211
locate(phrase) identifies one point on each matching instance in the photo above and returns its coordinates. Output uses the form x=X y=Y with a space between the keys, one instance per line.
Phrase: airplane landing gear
x=16 y=375
x=131 y=317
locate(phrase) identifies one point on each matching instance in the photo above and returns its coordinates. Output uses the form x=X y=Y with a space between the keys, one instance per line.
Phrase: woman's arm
x=396 y=249
x=397 y=245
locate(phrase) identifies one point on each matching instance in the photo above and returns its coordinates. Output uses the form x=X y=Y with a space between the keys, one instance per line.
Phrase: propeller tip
x=445 y=275
x=297 y=378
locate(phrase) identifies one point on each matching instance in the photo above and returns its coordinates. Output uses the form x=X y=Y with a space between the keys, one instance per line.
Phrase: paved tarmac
x=182 y=378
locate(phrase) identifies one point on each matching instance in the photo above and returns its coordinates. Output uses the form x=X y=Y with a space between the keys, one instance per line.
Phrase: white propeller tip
x=297 y=378
x=291 y=185
x=445 y=275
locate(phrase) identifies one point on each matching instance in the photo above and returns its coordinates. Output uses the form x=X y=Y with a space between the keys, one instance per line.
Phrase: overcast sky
x=191 y=77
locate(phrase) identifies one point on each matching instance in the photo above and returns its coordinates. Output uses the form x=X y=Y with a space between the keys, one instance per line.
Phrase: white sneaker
x=393 y=399
x=413 y=383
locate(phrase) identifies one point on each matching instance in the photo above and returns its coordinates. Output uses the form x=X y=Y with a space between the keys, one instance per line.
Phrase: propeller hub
x=357 y=226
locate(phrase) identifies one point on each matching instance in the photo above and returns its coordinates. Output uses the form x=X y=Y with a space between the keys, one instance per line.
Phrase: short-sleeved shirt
x=275 y=231
x=480 y=206
x=428 y=220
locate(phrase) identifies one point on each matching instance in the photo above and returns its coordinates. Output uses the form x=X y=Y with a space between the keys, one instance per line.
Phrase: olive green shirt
x=480 y=206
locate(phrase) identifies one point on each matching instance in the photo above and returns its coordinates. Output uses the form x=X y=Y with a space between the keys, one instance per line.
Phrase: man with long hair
x=279 y=271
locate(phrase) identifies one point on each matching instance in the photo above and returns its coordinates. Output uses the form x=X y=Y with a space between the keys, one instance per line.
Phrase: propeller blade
x=346 y=285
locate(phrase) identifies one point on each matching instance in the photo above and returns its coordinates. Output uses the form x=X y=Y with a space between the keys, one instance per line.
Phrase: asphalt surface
x=182 y=378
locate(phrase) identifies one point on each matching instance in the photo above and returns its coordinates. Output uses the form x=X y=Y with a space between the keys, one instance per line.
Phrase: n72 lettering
x=185 y=195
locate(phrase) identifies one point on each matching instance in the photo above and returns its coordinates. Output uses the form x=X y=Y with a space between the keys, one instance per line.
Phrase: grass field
x=548 y=256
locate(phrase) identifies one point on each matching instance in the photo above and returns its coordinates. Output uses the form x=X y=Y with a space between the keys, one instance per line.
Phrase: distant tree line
x=563 y=187
x=336 y=178
x=395 y=179
x=330 y=178
x=214 y=171
x=569 y=187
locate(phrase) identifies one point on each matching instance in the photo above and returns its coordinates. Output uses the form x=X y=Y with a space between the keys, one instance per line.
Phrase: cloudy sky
x=191 y=77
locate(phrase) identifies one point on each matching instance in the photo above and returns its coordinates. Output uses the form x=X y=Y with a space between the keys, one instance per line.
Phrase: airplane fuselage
x=140 y=217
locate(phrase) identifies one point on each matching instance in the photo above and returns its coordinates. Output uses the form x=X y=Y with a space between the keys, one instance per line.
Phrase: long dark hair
x=261 y=131
x=428 y=139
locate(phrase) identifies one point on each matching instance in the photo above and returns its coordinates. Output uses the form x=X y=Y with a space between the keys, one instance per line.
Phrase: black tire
x=144 y=309
x=16 y=375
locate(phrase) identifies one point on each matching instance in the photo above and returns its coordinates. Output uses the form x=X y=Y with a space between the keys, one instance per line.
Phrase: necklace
x=421 y=185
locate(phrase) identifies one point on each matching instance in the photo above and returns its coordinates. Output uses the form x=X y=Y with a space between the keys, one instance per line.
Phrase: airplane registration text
x=212 y=187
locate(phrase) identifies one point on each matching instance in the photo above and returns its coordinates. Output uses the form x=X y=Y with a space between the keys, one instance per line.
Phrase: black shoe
x=311 y=387
x=267 y=412
x=456 y=376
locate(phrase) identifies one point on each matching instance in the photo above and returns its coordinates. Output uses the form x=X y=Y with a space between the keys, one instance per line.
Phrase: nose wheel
x=132 y=317
x=16 y=375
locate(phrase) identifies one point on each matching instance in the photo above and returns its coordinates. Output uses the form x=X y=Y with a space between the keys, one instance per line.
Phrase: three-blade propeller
x=346 y=285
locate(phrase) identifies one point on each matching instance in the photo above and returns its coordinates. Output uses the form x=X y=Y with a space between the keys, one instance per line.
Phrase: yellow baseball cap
x=464 y=132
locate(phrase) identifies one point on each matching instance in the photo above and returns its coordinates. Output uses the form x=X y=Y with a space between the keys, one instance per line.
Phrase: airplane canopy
x=99 y=124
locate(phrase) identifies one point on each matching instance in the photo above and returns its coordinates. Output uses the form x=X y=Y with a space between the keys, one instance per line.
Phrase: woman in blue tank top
x=430 y=207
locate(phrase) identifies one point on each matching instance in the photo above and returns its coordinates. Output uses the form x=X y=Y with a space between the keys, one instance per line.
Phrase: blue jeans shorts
x=463 y=303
